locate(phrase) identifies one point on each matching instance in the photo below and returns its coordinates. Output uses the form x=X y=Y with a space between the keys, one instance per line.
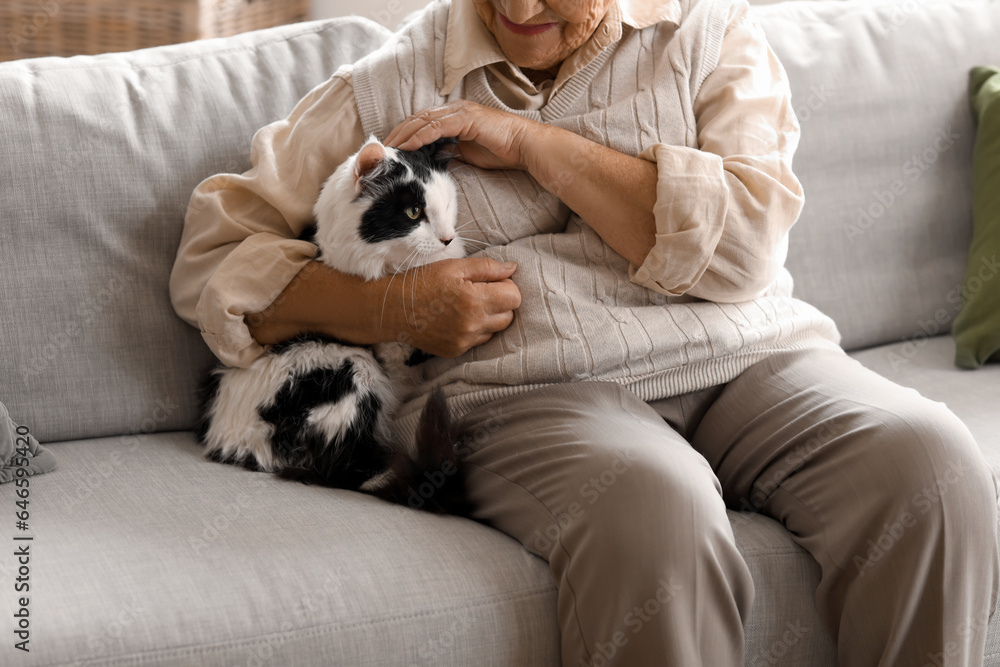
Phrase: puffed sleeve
x=238 y=249
x=723 y=212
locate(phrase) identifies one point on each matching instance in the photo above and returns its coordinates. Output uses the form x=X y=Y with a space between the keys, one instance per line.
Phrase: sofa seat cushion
x=146 y=553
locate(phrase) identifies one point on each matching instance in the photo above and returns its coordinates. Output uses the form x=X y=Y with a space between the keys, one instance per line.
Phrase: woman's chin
x=533 y=60
x=537 y=52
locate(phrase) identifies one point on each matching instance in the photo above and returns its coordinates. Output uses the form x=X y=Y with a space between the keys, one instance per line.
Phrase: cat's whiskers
x=468 y=240
x=413 y=296
x=409 y=263
x=464 y=238
x=386 y=296
x=413 y=287
x=468 y=231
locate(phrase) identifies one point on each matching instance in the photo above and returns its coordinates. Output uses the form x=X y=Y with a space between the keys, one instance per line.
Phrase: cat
x=316 y=409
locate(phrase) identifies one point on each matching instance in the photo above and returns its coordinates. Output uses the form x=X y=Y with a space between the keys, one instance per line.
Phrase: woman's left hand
x=487 y=138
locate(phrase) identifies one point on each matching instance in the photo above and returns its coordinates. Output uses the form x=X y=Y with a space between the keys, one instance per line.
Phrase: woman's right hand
x=446 y=308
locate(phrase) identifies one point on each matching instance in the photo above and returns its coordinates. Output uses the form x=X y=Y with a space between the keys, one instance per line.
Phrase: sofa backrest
x=99 y=159
x=885 y=157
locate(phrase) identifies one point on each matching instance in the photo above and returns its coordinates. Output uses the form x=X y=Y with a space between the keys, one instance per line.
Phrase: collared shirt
x=470 y=45
x=739 y=196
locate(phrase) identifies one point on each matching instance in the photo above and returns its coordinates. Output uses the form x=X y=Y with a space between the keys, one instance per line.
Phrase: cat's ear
x=369 y=157
x=443 y=151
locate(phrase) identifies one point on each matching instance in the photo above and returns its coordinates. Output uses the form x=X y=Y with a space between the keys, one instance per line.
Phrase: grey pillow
x=19 y=449
x=99 y=158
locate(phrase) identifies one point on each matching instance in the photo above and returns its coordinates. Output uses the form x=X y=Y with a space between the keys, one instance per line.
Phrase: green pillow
x=977 y=327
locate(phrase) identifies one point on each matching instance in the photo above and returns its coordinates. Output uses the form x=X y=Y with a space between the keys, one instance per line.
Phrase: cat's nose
x=447 y=241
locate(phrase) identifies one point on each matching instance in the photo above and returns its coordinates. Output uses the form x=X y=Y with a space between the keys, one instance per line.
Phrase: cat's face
x=412 y=202
x=386 y=210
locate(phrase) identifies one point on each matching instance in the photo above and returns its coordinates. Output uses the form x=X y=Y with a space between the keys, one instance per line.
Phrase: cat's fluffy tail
x=434 y=481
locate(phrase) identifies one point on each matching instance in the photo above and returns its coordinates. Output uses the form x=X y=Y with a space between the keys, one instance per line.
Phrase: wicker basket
x=33 y=28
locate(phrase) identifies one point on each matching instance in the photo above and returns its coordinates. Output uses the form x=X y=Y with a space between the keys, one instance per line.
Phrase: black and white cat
x=316 y=409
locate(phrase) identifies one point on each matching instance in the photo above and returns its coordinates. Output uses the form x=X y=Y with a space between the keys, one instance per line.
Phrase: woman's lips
x=521 y=29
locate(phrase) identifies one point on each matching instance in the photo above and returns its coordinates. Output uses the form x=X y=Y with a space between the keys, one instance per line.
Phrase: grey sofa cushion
x=148 y=554
x=100 y=156
x=881 y=94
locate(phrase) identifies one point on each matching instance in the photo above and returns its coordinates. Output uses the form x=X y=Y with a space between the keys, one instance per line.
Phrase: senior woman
x=629 y=163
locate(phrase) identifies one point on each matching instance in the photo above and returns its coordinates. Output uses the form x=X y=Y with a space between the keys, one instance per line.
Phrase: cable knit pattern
x=581 y=318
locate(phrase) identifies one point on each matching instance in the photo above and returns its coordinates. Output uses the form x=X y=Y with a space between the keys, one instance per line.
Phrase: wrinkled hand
x=487 y=138
x=448 y=307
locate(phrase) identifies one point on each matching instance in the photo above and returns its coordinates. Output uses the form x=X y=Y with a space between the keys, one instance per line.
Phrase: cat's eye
x=413 y=212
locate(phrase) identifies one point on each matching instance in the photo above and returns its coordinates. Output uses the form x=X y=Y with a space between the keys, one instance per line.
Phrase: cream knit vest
x=580 y=316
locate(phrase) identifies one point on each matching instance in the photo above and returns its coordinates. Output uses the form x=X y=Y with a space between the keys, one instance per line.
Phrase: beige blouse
x=238 y=250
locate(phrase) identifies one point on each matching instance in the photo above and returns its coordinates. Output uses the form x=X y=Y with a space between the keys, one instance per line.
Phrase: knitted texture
x=580 y=317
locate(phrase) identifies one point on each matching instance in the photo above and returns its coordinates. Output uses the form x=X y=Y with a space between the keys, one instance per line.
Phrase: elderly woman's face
x=539 y=35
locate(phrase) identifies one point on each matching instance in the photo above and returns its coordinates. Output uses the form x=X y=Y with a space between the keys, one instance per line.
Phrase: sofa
x=145 y=553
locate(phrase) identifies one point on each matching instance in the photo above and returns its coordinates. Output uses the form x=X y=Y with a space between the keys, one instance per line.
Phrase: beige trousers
x=626 y=501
